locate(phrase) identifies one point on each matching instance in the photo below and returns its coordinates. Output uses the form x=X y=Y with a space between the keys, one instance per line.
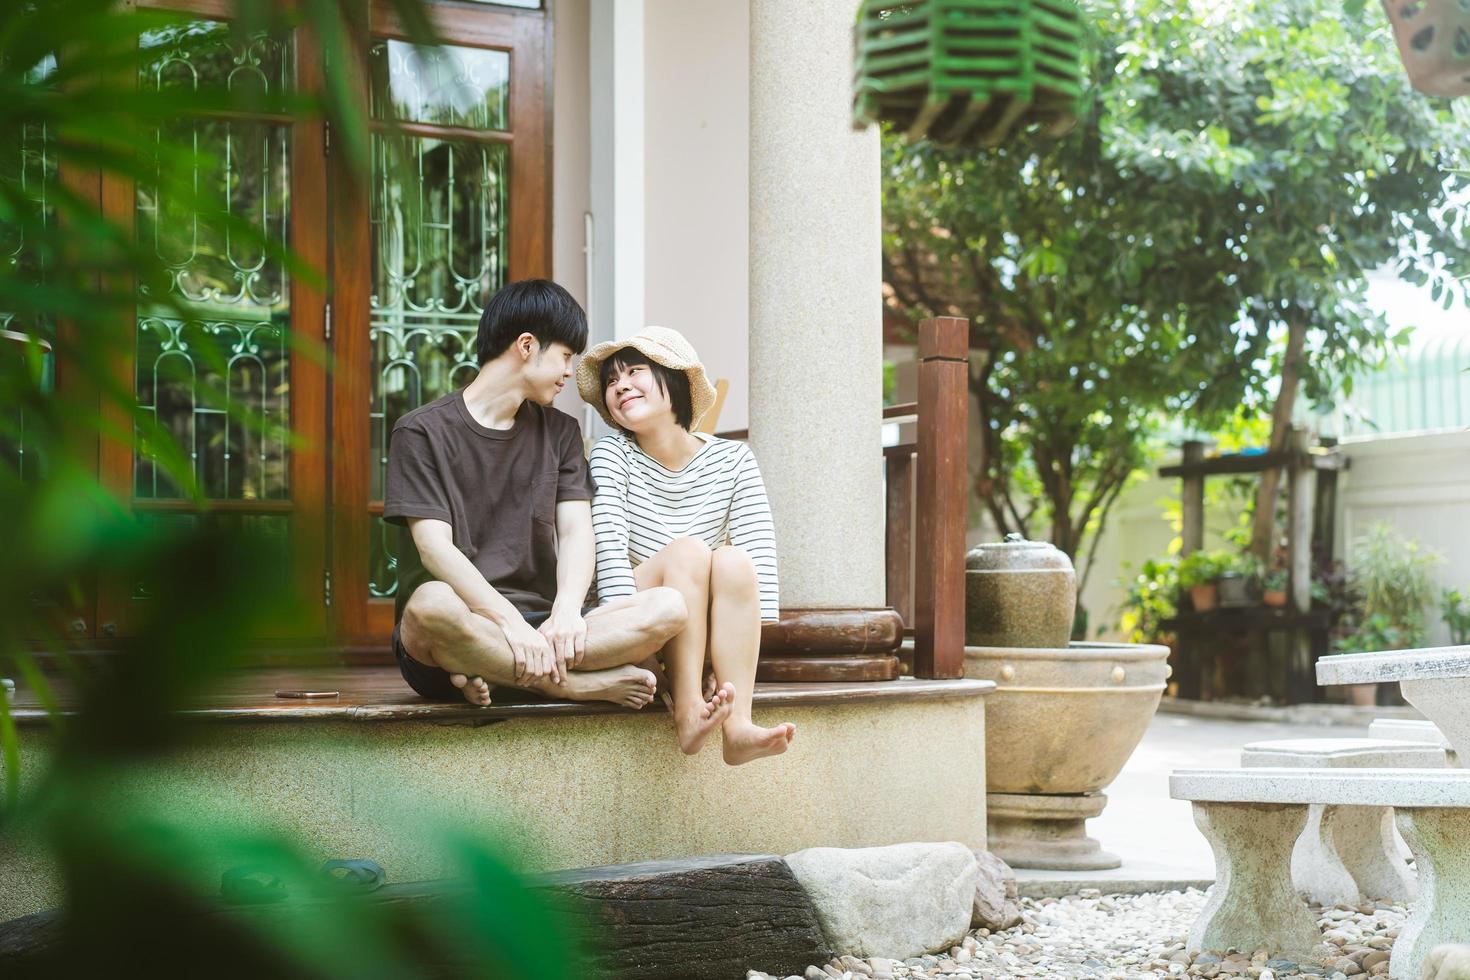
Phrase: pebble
x=1120 y=937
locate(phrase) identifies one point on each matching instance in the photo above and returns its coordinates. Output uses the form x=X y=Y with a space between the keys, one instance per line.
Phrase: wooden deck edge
x=903 y=690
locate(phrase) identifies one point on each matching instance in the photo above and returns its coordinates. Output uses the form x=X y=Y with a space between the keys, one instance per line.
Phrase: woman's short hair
x=674 y=384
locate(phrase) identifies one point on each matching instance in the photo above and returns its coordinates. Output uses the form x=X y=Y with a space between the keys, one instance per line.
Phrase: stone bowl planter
x=1059 y=727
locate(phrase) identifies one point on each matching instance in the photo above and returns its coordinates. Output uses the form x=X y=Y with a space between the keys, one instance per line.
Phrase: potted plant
x=1233 y=582
x=1273 y=588
x=1197 y=575
x=1391 y=581
x=1456 y=615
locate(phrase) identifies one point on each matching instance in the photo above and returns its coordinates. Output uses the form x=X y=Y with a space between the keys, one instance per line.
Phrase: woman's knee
x=686 y=558
x=732 y=568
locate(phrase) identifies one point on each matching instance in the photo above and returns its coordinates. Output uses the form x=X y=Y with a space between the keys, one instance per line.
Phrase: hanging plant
x=962 y=71
x=1434 y=43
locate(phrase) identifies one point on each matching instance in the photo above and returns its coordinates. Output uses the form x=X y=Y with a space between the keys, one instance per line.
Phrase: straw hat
x=661 y=346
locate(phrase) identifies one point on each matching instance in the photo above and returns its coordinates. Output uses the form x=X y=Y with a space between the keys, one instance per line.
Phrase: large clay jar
x=1019 y=593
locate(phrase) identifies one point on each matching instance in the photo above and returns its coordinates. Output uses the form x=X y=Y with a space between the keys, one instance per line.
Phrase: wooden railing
x=928 y=487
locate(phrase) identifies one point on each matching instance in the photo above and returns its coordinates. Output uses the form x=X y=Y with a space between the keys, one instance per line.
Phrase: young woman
x=687 y=511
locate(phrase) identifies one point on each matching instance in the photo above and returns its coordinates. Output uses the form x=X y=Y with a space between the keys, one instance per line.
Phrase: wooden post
x=1301 y=498
x=899 y=539
x=1192 y=502
x=943 y=491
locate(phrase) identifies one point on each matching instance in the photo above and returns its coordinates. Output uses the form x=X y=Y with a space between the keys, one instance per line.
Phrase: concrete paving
x=1154 y=835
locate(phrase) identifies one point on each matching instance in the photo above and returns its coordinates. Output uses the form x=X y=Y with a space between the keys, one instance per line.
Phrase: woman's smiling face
x=634 y=397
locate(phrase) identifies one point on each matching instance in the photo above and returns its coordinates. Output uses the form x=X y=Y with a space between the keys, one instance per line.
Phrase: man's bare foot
x=630 y=686
x=665 y=689
x=695 y=726
x=747 y=742
x=474 y=689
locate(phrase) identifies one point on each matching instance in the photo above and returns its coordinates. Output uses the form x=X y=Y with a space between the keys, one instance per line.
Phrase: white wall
x=1421 y=486
x=571 y=158
x=697 y=128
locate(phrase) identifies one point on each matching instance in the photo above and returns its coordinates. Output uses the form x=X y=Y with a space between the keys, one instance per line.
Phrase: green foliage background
x=1237 y=170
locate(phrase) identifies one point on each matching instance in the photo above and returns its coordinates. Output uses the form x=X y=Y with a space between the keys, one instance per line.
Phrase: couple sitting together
x=508 y=525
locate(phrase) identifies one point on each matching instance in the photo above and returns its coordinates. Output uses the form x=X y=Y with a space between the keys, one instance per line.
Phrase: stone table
x=1434 y=680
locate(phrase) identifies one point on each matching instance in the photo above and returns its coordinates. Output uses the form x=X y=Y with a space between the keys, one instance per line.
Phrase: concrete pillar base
x=1030 y=830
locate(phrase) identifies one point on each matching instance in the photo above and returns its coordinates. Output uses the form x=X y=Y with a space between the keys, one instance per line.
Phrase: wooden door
x=457 y=205
x=242 y=345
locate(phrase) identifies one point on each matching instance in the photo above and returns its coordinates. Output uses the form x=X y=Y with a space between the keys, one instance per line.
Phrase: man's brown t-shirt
x=497 y=489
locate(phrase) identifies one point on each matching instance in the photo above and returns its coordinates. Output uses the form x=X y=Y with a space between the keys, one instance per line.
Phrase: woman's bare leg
x=735 y=646
x=684 y=565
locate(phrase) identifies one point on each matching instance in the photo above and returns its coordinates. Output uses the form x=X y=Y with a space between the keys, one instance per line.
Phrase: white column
x=617 y=137
x=816 y=355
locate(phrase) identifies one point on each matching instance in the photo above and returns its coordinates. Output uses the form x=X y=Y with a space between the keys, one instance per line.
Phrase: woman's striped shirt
x=640 y=506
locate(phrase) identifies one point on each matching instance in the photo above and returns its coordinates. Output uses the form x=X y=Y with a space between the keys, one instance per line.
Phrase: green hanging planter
x=1434 y=42
x=961 y=71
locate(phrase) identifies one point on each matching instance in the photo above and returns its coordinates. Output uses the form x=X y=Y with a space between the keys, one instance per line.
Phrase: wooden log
x=690 y=919
x=712 y=917
x=943 y=490
x=786 y=670
x=832 y=633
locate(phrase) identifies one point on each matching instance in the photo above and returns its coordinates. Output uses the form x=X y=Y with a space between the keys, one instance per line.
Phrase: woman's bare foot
x=474 y=689
x=630 y=686
x=695 y=726
x=746 y=742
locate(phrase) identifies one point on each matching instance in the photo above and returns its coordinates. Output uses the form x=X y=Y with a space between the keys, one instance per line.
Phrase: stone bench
x=1347 y=853
x=1408 y=730
x=1253 y=818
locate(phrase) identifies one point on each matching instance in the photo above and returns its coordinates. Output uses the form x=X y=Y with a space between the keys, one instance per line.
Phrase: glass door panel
x=217 y=374
x=455 y=208
x=439 y=227
x=28 y=166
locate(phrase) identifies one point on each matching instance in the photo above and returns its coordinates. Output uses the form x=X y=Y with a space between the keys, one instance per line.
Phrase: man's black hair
x=538 y=307
x=674 y=384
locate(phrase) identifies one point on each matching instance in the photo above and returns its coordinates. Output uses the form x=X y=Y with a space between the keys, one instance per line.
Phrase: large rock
x=1449 y=962
x=897 y=901
x=997 y=903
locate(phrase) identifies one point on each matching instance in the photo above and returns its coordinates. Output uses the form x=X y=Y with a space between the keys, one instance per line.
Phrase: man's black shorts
x=433 y=682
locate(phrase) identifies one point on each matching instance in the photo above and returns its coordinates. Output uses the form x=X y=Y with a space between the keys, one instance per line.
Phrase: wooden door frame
x=117 y=613
x=527 y=36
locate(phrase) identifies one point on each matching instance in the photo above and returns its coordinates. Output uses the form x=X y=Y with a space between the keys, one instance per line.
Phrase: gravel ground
x=1113 y=937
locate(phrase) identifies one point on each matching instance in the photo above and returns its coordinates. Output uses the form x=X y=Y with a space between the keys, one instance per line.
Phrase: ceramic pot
x=1275 y=598
x=1202 y=597
x=1019 y=593
x=1233 y=590
x=1431 y=36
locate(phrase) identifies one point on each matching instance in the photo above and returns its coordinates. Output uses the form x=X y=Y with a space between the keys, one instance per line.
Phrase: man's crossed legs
x=439 y=630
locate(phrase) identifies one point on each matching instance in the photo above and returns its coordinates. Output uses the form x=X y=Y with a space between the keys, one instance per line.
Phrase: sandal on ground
x=356 y=874
x=251 y=885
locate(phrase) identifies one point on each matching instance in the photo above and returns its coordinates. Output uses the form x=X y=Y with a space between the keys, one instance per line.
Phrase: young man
x=493 y=491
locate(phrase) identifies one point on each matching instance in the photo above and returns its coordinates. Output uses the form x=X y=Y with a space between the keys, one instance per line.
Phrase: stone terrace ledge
x=1435 y=680
x=557 y=785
